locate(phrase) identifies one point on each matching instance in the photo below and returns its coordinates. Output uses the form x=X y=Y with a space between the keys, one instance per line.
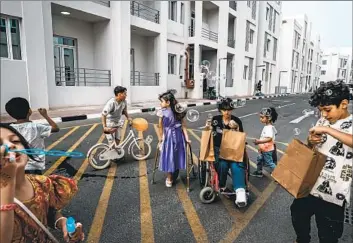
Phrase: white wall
x=173 y=80
x=144 y=53
x=13 y=81
x=102 y=45
x=83 y=32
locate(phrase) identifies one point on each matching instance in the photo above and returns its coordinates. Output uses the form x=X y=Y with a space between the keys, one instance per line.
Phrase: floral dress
x=53 y=191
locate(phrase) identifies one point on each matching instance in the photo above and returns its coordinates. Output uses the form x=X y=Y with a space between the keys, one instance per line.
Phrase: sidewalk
x=91 y=112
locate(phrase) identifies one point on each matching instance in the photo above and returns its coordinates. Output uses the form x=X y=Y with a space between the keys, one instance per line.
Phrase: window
x=267 y=12
x=173 y=10
x=274 y=49
x=324 y=62
x=171 y=63
x=182 y=13
x=181 y=65
x=10 y=42
x=248 y=3
x=268 y=43
x=251 y=36
x=245 y=74
x=305 y=28
x=274 y=21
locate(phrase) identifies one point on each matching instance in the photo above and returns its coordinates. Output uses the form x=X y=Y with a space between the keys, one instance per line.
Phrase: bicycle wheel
x=140 y=151
x=94 y=154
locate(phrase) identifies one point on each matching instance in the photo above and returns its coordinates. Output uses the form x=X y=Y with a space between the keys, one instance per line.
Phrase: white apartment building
x=268 y=42
x=73 y=53
x=299 y=56
x=337 y=64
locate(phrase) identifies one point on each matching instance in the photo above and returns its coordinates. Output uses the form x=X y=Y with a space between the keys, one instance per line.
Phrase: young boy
x=332 y=136
x=19 y=109
x=112 y=112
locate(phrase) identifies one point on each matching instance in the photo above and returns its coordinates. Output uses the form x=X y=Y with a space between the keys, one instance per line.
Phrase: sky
x=331 y=19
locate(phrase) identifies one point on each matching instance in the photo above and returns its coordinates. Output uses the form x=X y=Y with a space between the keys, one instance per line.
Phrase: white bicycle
x=101 y=155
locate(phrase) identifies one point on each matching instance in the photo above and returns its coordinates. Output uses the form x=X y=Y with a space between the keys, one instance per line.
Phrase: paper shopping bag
x=206 y=147
x=299 y=168
x=232 y=145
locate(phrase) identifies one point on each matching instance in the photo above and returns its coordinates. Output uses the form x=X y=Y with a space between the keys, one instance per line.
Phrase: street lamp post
x=279 y=82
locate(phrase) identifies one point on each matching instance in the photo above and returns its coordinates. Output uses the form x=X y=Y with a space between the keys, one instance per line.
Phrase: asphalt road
x=119 y=204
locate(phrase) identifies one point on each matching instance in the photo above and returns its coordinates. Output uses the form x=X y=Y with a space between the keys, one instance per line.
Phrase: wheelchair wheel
x=207 y=195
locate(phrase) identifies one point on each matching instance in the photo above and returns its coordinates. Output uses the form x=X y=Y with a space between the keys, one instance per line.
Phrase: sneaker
x=168 y=183
x=257 y=174
x=241 y=200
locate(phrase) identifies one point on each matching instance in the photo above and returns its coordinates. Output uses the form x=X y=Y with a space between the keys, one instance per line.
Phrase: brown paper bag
x=299 y=168
x=232 y=145
x=206 y=146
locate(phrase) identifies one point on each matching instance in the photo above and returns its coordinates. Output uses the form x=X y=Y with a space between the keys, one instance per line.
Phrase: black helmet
x=225 y=104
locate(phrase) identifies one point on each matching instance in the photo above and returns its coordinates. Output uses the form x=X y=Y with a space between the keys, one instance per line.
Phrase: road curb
x=144 y=110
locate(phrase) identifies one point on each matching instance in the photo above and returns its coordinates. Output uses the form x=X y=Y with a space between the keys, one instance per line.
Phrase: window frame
x=9 y=37
x=324 y=62
x=251 y=38
x=182 y=13
x=172 y=68
x=173 y=15
x=245 y=72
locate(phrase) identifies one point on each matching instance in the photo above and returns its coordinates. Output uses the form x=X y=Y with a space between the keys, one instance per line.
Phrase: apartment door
x=65 y=62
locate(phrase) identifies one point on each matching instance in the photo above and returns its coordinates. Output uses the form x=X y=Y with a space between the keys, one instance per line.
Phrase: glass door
x=65 y=61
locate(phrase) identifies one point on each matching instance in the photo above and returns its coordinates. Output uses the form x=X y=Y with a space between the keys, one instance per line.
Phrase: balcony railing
x=144 y=12
x=191 y=31
x=66 y=76
x=231 y=43
x=209 y=35
x=138 y=78
x=104 y=3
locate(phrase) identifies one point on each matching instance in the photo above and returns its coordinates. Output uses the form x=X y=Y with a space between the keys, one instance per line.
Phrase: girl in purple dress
x=175 y=137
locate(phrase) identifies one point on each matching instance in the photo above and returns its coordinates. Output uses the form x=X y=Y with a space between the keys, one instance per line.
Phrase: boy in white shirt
x=112 y=112
x=332 y=136
x=35 y=133
x=266 y=143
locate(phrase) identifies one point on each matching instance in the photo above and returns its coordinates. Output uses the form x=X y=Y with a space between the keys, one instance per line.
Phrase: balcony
x=231 y=43
x=66 y=76
x=138 y=78
x=209 y=35
x=104 y=3
x=142 y=11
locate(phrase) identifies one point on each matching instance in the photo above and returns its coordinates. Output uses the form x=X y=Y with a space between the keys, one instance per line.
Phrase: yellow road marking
x=62 y=138
x=85 y=125
x=73 y=147
x=147 y=233
x=197 y=228
x=85 y=163
x=101 y=210
x=243 y=220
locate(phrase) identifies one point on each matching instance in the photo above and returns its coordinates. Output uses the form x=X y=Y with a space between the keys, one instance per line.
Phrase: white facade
x=73 y=53
x=270 y=18
x=337 y=64
x=299 y=56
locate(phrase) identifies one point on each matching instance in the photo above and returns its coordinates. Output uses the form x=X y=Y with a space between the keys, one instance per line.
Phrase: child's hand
x=256 y=142
x=318 y=130
x=8 y=168
x=233 y=124
x=314 y=138
x=77 y=236
x=43 y=111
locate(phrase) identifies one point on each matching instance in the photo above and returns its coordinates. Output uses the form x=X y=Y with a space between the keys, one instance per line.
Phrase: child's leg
x=301 y=212
x=329 y=220
x=238 y=175
x=268 y=160
x=222 y=168
x=260 y=161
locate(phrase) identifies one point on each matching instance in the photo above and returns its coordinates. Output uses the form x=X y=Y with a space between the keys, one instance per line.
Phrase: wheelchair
x=190 y=166
x=209 y=182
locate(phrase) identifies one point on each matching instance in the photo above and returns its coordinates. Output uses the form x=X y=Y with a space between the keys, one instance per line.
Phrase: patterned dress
x=173 y=150
x=53 y=191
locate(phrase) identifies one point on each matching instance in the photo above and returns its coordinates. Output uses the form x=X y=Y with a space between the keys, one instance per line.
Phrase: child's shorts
x=116 y=134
